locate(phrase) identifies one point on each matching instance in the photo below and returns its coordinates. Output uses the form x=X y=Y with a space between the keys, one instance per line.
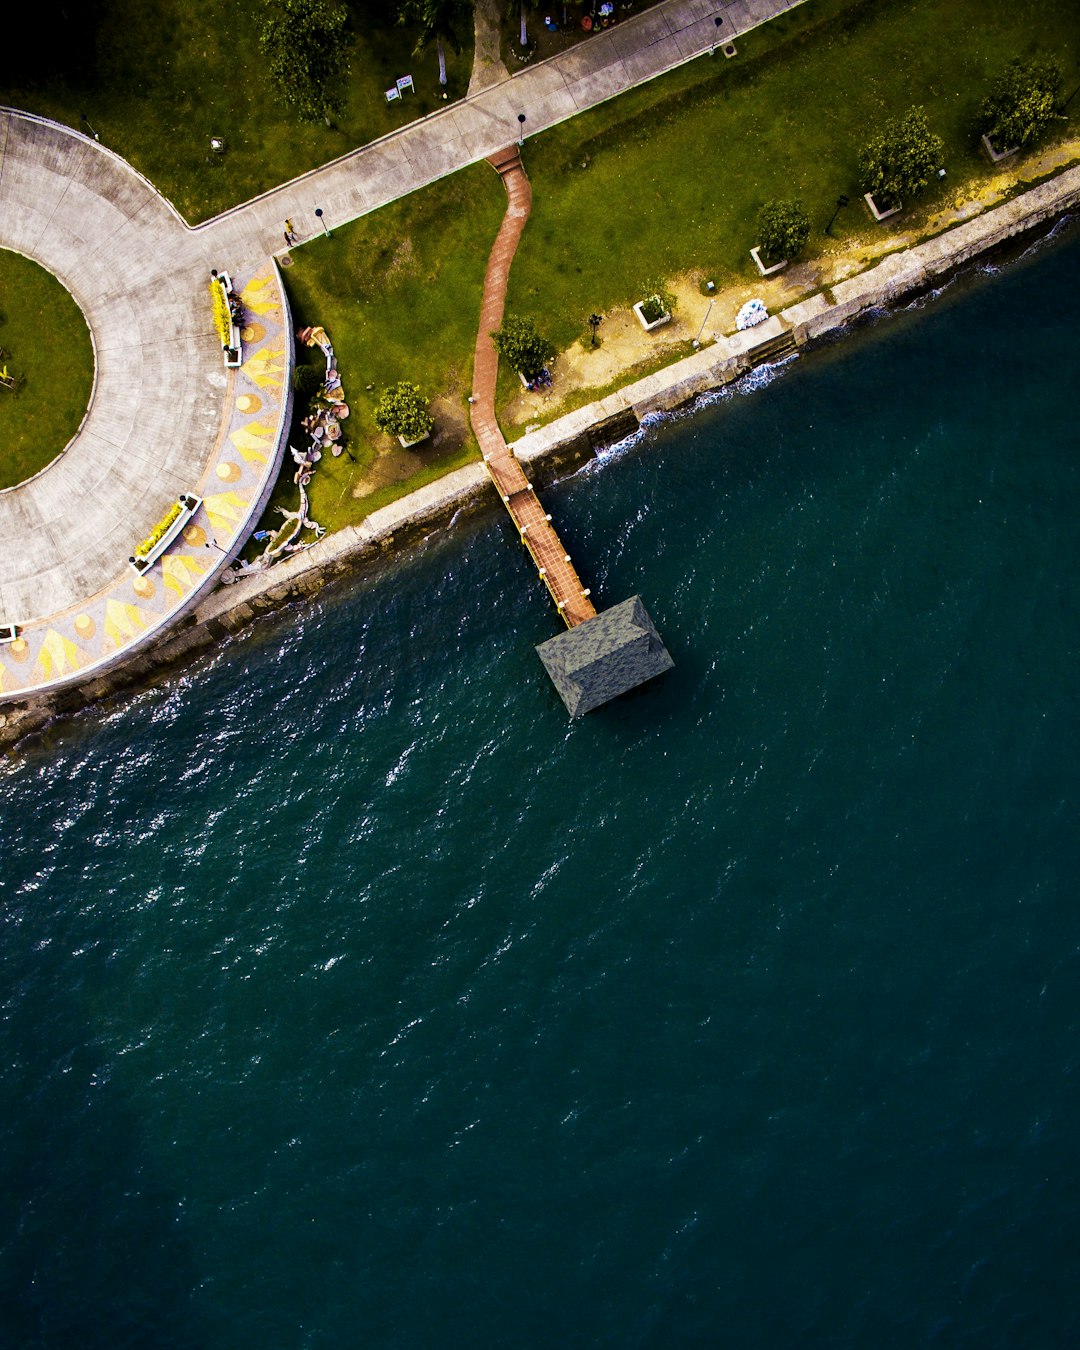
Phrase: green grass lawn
x=158 y=78
x=399 y=294
x=46 y=340
x=665 y=180
x=669 y=178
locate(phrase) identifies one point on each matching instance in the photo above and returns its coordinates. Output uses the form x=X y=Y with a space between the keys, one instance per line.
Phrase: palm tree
x=438 y=19
x=522 y=8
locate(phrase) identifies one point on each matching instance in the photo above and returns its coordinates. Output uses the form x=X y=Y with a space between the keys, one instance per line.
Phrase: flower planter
x=8 y=632
x=189 y=504
x=755 y=253
x=994 y=155
x=876 y=212
x=408 y=445
x=233 y=350
x=650 y=324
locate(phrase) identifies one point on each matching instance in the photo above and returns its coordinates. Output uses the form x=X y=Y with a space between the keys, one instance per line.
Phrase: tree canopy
x=519 y=342
x=438 y=21
x=901 y=159
x=1021 y=102
x=783 y=229
x=403 y=411
x=306 y=49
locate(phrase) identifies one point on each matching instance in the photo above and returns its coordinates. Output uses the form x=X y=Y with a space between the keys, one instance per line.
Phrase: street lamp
x=521 y=129
x=594 y=323
x=841 y=202
x=716 y=35
x=319 y=218
x=83 y=118
x=705 y=320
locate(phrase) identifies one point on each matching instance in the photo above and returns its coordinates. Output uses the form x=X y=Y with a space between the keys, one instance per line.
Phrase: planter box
x=879 y=216
x=234 y=352
x=655 y=323
x=189 y=504
x=755 y=253
x=996 y=156
x=8 y=632
x=408 y=445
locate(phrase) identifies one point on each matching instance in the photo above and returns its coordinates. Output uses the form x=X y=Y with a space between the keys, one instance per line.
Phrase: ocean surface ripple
x=351 y=995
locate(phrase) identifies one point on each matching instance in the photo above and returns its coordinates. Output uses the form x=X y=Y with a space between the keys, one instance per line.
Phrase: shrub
x=523 y=347
x=657 y=300
x=159 y=529
x=901 y=159
x=307 y=380
x=305 y=46
x=1020 y=104
x=403 y=411
x=783 y=229
x=222 y=315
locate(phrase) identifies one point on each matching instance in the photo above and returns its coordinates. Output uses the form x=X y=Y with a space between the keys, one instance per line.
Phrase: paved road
x=629 y=53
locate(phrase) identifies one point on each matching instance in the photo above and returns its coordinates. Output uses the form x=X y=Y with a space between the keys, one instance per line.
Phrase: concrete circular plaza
x=165 y=417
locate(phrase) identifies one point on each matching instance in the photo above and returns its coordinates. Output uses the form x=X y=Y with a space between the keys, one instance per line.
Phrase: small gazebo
x=604 y=657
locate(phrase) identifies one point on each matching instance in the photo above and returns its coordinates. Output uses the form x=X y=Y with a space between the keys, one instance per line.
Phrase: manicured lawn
x=46 y=340
x=669 y=178
x=399 y=294
x=158 y=78
x=665 y=180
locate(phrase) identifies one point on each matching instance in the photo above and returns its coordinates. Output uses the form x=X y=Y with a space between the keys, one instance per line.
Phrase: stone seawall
x=561 y=445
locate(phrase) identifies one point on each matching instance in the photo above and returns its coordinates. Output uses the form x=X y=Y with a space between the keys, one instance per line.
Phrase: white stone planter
x=408 y=445
x=656 y=323
x=996 y=156
x=755 y=253
x=879 y=216
x=234 y=352
x=189 y=504
x=8 y=632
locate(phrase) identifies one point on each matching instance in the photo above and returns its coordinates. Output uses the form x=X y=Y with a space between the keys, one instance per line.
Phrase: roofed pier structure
x=604 y=657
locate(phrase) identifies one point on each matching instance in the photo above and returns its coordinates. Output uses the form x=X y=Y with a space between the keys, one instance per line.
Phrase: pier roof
x=604 y=657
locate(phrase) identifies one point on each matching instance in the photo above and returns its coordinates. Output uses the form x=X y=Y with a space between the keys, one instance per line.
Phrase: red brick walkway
x=533 y=524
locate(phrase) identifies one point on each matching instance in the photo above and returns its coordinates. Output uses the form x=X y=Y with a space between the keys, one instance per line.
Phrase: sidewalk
x=629 y=53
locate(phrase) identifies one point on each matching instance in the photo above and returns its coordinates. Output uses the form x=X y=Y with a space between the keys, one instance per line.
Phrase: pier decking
x=531 y=520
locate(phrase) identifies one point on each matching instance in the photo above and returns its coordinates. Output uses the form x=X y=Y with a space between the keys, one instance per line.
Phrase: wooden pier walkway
x=532 y=522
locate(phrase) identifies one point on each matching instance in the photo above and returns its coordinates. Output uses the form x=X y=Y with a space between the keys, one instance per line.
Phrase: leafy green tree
x=783 y=229
x=523 y=347
x=441 y=21
x=901 y=159
x=1021 y=102
x=403 y=411
x=306 y=49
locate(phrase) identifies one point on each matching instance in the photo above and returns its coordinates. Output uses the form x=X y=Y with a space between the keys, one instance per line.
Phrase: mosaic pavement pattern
x=240 y=471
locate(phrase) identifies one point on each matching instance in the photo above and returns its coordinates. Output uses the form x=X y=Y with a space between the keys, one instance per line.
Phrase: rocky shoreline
x=562 y=445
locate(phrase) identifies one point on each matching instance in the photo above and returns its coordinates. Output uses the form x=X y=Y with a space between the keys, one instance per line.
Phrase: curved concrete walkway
x=161 y=410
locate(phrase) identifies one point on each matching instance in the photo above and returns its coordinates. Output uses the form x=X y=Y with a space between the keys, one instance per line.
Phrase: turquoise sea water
x=353 y=997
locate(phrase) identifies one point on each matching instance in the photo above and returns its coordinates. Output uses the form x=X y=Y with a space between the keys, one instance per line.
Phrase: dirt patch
x=394 y=464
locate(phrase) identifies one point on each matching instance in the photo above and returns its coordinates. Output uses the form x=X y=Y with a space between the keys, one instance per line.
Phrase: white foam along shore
x=568 y=441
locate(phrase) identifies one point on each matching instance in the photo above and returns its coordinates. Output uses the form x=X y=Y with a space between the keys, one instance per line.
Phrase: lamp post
x=841 y=202
x=213 y=543
x=705 y=320
x=594 y=323
x=1070 y=98
x=84 y=119
x=319 y=218
x=716 y=35
x=521 y=129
